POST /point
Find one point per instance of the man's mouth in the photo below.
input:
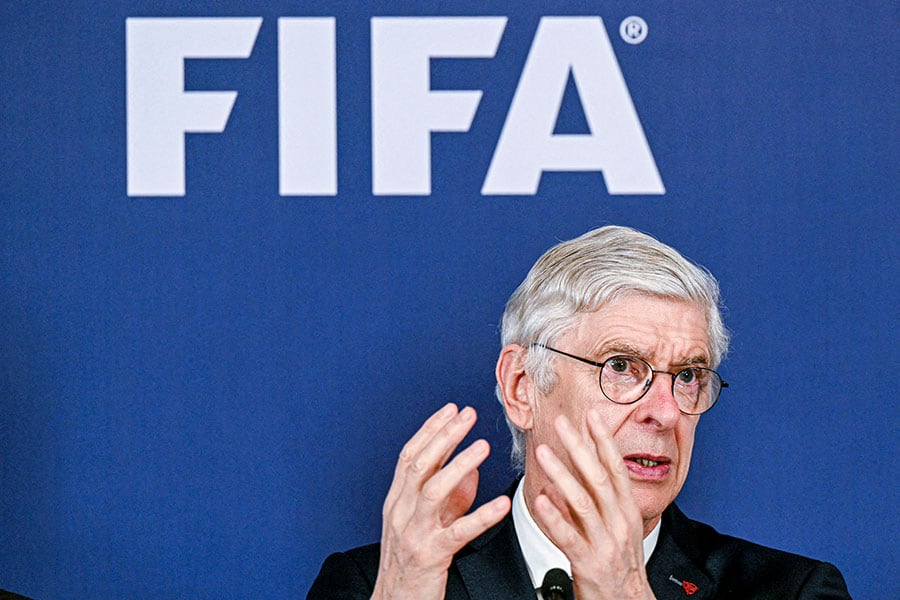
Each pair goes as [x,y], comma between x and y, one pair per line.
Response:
[646,467]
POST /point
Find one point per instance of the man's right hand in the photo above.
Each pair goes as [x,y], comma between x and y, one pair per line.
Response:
[424,515]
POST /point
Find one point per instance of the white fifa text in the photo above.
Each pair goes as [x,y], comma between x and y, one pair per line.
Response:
[405,109]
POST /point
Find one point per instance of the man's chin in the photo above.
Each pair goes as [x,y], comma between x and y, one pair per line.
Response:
[651,506]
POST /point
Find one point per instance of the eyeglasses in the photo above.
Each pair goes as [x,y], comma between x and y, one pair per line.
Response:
[626,379]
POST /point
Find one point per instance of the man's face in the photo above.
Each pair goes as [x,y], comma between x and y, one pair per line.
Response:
[652,435]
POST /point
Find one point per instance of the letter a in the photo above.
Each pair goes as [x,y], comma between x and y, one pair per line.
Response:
[616,145]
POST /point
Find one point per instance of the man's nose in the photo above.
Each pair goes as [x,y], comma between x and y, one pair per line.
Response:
[658,405]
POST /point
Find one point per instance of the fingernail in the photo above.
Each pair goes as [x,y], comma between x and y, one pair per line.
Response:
[482,447]
[500,506]
[468,414]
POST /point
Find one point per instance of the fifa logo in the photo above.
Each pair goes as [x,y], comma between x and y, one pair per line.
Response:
[405,108]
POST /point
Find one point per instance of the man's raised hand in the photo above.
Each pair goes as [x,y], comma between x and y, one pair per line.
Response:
[424,515]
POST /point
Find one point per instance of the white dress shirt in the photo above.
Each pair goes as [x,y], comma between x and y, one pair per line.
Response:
[539,552]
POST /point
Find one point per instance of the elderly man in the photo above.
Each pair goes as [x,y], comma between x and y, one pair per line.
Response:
[609,351]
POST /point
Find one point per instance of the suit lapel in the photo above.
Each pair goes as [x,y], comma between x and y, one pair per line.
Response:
[672,571]
[493,568]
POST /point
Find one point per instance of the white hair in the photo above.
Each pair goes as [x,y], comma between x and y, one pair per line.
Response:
[582,275]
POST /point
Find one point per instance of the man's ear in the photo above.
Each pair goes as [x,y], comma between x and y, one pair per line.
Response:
[516,386]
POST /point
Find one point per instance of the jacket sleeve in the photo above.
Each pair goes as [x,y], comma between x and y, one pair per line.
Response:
[344,576]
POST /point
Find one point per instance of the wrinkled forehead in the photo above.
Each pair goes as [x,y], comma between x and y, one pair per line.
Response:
[646,326]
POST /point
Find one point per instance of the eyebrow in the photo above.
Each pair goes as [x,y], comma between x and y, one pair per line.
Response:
[700,359]
[622,347]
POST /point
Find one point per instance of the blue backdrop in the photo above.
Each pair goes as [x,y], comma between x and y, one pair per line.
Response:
[202,393]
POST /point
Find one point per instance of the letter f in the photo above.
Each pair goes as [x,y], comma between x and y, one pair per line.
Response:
[159,110]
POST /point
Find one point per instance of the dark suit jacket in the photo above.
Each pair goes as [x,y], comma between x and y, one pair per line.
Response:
[690,560]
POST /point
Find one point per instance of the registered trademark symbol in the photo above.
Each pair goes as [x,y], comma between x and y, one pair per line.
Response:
[633,30]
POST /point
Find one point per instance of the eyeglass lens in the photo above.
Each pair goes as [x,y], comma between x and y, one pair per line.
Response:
[625,379]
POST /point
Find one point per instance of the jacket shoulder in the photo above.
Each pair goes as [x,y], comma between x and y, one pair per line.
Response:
[744,569]
[347,575]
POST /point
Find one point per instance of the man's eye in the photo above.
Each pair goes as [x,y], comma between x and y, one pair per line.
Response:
[619,364]
[688,376]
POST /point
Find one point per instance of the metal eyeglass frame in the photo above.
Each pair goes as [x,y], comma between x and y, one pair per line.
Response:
[649,383]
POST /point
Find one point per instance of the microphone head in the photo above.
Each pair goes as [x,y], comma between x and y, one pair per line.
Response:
[557,586]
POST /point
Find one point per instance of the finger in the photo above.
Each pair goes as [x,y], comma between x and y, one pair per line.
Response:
[609,455]
[561,531]
[593,475]
[628,516]
[435,453]
[461,498]
[559,502]
[581,506]
[451,491]
[411,449]
[467,528]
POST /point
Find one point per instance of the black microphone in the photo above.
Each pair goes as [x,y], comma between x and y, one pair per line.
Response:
[557,586]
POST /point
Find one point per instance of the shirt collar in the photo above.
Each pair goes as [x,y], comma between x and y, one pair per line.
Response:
[539,552]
